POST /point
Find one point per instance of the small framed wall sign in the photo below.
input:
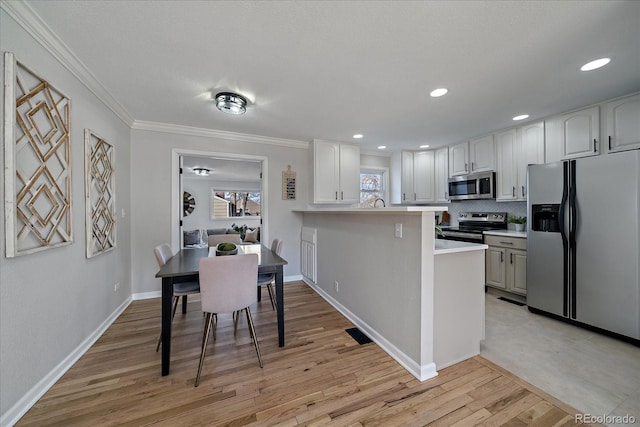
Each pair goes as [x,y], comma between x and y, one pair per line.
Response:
[288,184]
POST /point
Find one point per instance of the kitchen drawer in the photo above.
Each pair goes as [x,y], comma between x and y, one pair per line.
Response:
[506,242]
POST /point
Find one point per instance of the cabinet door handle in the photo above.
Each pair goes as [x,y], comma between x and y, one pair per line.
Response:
[336,195]
[472,166]
[415,197]
[342,195]
[523,191]
[506,243]
[513,192]
[446,194]
[404,196]
[501,256]
[609,142]
[465,167]
[511,258]
[595,141]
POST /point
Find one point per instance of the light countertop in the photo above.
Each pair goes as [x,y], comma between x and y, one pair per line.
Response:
[387,210]
[506,233]
[452,246]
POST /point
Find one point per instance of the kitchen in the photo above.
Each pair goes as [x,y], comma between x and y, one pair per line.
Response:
[492,83]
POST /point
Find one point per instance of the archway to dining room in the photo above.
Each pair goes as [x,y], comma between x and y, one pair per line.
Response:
[216,190]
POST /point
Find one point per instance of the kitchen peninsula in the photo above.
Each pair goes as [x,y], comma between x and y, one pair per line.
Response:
[420,299]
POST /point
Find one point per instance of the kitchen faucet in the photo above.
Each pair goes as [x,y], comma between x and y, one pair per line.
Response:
[379,200]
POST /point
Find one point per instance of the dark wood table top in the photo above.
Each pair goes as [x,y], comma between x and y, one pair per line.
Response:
[186,261]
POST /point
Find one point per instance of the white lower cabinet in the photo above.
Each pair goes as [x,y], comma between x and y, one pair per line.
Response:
[506,263]
[308,254]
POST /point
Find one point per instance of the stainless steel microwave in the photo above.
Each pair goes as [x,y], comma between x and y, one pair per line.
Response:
[476,186]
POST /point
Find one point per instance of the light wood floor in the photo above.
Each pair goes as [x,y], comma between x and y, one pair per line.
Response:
[321,377]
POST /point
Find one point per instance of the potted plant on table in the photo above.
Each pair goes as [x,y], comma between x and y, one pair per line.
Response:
[518,222]
[242,229]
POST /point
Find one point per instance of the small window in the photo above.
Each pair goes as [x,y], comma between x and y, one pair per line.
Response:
[371,188]
[231,204]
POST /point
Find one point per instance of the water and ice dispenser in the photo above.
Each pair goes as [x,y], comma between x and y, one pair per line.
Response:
[546,218]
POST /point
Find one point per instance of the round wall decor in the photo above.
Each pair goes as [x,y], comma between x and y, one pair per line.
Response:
[188,203]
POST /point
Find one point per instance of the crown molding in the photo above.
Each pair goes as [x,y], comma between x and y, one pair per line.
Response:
[219,134]
[28,19]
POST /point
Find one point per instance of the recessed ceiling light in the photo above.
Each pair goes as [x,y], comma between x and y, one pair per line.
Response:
[424,146]
[381,147]
[521,117]
[593,65]
[439,92]
[358,136]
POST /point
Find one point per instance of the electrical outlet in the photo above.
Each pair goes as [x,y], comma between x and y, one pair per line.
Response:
[116,287]
[336,286]
[399,231]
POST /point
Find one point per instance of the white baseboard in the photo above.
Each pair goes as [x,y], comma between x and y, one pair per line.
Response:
[421,372]
[25,403]
[146,295]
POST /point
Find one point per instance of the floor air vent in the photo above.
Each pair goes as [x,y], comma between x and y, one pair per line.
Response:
[512,301]
[358,335]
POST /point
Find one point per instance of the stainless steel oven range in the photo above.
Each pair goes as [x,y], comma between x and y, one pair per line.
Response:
[472,224]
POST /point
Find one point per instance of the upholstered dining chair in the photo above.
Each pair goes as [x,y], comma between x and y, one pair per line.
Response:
[267,279]
[163,253]
[227,285]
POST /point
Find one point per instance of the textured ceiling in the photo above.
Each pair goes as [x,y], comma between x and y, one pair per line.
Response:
[332,69]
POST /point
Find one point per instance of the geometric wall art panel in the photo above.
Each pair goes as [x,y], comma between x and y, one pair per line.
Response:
[37,162]
[99,194]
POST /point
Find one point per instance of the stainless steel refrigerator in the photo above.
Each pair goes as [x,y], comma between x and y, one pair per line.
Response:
[583,242]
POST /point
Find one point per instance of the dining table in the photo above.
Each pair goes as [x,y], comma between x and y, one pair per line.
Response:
[183,266]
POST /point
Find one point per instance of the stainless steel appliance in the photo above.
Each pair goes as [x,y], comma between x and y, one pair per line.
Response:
[583,242]
[472,224]
[476,186]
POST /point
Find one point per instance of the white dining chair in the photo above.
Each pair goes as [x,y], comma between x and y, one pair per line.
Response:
[163,254]
[227,285]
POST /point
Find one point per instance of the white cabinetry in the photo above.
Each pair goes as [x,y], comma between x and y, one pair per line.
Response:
[442,175]
[416,177]
[529,151]
[507,167]
[308,253]
[573,135]
[459,159]
[506,263]
[475,156]
[515,150]
[336,172]
[623,123]
[482,154]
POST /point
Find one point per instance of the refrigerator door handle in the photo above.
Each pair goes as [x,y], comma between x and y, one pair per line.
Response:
[563,234]
[572,234]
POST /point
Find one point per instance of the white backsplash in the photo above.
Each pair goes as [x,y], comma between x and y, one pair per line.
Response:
[512,208]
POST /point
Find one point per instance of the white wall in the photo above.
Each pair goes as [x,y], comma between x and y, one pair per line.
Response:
[52,301]
[151,152]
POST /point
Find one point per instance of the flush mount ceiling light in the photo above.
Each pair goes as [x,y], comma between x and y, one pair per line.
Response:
[439,92]
[231,103]
[521,117]
[424,146]
[594,65]
[381,147]
[358,136]
[201,171]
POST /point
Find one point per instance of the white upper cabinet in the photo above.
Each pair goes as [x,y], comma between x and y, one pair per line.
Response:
[515,150]
[507,172]
[459,159]
[441,175]
[529,151]
[423,176]
[623,124]
[482,154]
[336,172]
[416,173]
[573,135]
